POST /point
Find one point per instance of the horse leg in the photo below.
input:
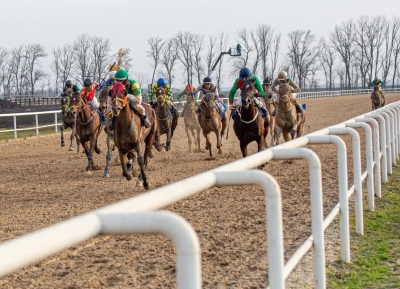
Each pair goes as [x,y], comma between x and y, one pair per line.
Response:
[93,146]
[271,128]
[71,148]
[168,143]
[208,142]
[198,138]
[219,142]
[157,144]
[122,158]
[108,157]
[129,165]
[277,134]
[243,148]
[189,138]
[142,179]
[62,135]
[224,126]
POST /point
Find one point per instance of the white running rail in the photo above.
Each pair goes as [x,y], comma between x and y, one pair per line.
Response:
[382,150]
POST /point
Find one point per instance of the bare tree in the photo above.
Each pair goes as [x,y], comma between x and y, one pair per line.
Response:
[100,49]
[67,60]
[274,52]
[198,45]
[243,36]
[327,58]
[391,34]
[84,59]
[123,59]
[396,52]
[169,57]
[257,50]
[343,40]
[184,45]
[303,54]
[18,69]
[55,64]
[265,37]
[3,64]
[33,54]
[222,46]
[211,54]
[156,45]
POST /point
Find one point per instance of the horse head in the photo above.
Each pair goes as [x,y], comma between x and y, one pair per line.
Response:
[160,96]
[77,104]
[285,96]
[247,91]
[119,99]
[103,97]
[65,102]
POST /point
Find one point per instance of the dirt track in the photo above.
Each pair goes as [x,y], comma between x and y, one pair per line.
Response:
[42,184]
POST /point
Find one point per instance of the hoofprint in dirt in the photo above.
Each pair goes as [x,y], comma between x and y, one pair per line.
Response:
[42,184]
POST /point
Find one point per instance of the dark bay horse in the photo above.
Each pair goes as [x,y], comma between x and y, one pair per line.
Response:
[192,126]
[130,136]
[210,121]
[287,121]
[166,122]
[249,124]
[377,100]
[68,121]
[103,97]
[87,127]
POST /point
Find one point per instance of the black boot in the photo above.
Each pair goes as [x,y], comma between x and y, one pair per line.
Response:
[111,125]
[299,109]
[144,121]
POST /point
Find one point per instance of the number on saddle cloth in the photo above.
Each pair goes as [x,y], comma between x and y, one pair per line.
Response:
[221,108]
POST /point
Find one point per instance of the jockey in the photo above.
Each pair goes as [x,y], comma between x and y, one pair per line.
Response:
[208,87]
[378,82]
[187,91]
[283,78]
[134,96]
[70,87]
[245,74]
[88,93]
[161,83]
[268,92]
[110,81]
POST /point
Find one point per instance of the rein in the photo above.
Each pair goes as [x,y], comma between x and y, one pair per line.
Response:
[208,106]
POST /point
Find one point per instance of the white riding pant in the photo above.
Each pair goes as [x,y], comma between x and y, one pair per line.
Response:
[94,103]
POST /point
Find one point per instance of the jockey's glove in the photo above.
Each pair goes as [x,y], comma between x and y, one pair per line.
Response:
[192,93]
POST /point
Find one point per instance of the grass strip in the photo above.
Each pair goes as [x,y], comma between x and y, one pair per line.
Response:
[375,255]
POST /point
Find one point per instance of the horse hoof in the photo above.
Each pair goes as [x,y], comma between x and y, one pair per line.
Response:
[62,145]
[71,149]
[89,172]
[129,177]
[151,155]
[97,151]
[146,186]
[139,183]
[210,159]
[106,176]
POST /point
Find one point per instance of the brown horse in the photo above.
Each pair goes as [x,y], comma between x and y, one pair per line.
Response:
[87,127]
[210,120]
[130,136]
[192,126]
[103,97]
[376,98]
[288,121]
[68,120]
[166,121]
[249,124]
[270,105]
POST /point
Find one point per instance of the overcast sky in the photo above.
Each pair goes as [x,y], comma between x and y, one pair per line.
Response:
[130,23]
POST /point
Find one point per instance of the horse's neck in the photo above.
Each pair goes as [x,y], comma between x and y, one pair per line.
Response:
[85,114]
[208,111]
[249,112]
[162,110]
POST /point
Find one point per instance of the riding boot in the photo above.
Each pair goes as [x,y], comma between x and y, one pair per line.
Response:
[144,121]
[111,125]
[299,109]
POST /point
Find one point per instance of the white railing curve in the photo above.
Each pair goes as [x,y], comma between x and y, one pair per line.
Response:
[384,146]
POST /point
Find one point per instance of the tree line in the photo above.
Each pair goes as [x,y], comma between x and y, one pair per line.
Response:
[349,56]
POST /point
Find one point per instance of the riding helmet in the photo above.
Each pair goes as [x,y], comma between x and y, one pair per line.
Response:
[87,82]
[282,75]
[68,83]
[244,72]
[121,74]
[189,87]
[161,82]
[267,81]
[207,80]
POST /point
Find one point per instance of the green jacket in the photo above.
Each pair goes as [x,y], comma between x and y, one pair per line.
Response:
[196,95]
[238,84]
[133,87]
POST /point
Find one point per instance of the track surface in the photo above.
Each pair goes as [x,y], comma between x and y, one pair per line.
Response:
[42,184]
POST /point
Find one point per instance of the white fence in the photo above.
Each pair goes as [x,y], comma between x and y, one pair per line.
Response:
[140,214]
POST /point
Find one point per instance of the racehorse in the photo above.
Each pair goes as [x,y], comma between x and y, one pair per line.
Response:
[87,127]
[166,121]
[130,136]
[287,121]
[192,126]
[376,98]
[103,97]
[270,105]
[249,124]
[68,121]
[210,120]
